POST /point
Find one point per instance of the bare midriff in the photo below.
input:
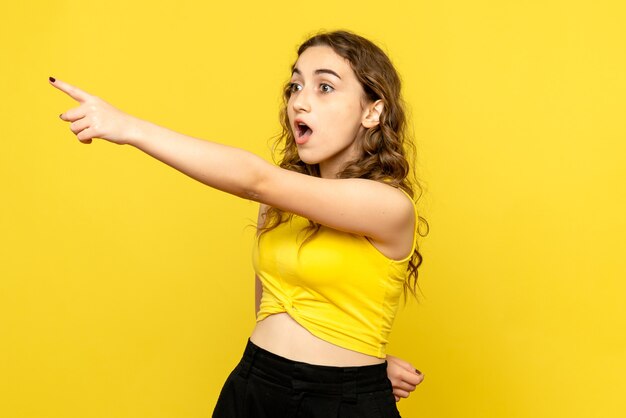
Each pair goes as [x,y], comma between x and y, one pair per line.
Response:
[282,335]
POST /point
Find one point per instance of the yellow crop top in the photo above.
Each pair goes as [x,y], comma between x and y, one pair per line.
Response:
[339,287]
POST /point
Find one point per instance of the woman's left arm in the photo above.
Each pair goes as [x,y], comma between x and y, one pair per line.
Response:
[358,206]
[403,377]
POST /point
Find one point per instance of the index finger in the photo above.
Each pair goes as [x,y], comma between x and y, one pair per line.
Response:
[72,91]
[414,379]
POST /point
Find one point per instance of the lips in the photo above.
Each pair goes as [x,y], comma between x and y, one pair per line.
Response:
[302,131]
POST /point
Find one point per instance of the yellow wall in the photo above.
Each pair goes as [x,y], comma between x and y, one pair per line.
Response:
[126,288]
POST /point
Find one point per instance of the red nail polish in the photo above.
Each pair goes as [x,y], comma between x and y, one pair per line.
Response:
[52,79]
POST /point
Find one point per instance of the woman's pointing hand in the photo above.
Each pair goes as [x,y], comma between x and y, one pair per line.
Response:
[95,118]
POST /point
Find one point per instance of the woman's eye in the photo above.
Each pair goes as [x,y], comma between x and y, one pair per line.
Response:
[326,88]
[294,87]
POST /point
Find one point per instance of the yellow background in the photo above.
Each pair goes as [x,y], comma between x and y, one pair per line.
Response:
[126,288]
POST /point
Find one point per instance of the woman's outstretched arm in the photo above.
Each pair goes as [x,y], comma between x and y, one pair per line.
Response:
[232,170]
[359,206]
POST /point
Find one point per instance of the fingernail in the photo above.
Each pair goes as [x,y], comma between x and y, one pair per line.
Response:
[61,116]
[52,79]
[417,371]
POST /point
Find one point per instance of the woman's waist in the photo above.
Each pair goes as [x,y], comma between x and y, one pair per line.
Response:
[282,335]
[304,377]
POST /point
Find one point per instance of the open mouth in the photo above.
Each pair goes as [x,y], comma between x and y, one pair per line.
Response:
[302,129]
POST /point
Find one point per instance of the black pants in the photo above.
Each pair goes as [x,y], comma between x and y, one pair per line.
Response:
[265,385]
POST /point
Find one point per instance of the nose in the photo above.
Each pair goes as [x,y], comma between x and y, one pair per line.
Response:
[301,100]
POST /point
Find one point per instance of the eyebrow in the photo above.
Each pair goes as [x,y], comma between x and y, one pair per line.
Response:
[319,71]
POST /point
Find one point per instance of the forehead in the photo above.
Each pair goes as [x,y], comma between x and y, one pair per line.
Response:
[316,57]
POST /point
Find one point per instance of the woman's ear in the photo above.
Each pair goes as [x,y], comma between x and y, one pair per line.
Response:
[372,113]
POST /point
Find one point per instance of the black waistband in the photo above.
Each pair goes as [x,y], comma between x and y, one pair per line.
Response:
[299,376]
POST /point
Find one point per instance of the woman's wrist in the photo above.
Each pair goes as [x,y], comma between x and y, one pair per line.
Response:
[139,132]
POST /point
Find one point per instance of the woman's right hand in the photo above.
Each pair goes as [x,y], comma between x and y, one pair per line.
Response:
[95,118]
[403,377]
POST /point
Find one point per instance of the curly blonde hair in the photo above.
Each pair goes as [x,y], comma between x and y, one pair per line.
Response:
[384,147]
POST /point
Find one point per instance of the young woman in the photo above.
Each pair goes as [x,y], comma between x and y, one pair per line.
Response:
[337,232]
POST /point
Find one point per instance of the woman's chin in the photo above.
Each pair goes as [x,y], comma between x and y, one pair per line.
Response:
[307,158]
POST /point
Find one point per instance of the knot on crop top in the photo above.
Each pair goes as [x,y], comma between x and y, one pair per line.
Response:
[337,285]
